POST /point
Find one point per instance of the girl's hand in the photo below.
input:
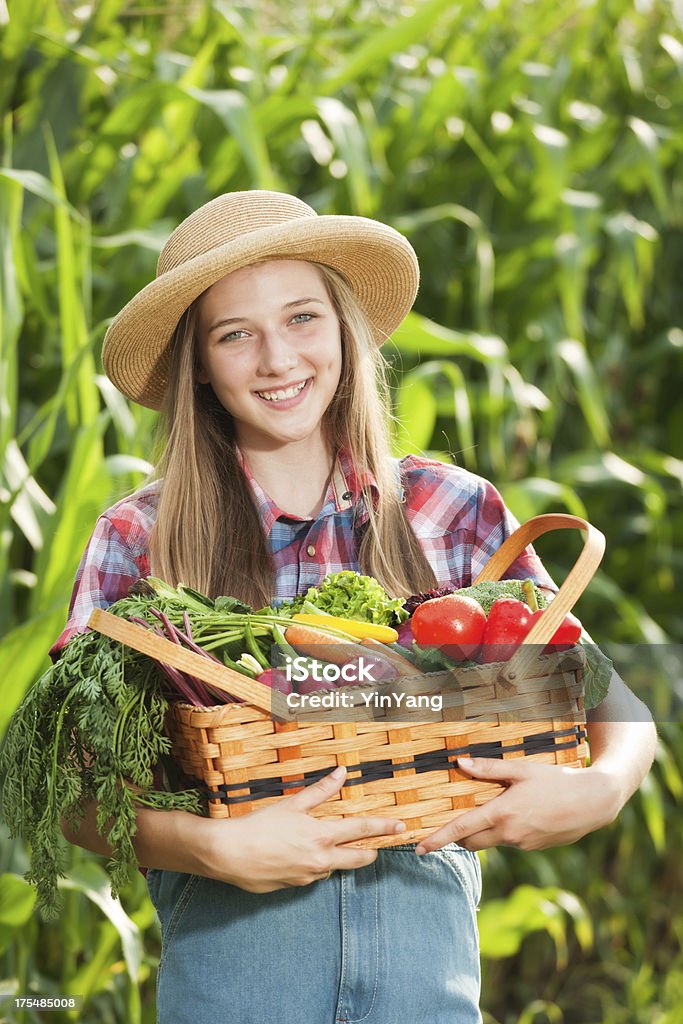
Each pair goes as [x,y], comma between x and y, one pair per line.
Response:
[284,845]
[544,805]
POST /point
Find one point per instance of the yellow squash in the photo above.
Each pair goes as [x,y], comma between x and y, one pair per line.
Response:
[385,634]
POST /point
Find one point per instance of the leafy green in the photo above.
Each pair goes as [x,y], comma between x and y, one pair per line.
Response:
[91,729]
[350,595]
[483,593]
[596,676]
[433,659]
[232,605]
[487,592]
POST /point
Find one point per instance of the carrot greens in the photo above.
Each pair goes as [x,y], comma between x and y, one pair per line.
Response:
[92,728]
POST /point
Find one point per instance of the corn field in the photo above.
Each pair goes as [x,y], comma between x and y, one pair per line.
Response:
[531,151]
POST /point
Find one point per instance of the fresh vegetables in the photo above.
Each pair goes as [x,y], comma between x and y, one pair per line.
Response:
[313,642]
[454,623]
[512,608]
[277,679]
[93,727]
[485,622]
[398,661]
[349,595]
[567,633]
[484,593]
[507,624]
[510,621]
[361,630]
[336,650]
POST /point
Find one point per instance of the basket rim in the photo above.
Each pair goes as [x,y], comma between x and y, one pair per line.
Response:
[575,654]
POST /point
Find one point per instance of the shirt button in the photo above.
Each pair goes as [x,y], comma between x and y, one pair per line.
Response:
[310,550]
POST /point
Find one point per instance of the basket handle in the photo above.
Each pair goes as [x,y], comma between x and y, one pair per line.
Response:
[220,676]
[574,585]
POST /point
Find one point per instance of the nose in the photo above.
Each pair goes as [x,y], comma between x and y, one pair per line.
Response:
[277,356]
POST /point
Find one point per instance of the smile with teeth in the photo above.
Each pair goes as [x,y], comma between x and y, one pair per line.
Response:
[281,396]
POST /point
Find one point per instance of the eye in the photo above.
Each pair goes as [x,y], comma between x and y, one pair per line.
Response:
[233,336]
[303,318]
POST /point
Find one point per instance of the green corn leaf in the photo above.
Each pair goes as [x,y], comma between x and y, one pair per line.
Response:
[38,185]
[653,811]
[416,415]
[588,390]
[11,305]
[504,924]
[236,114]
[380,46]
[424,337]
[73,303]
[24,655]
[89,878]
[17,902]
[537,495]
[460,407]
[351,150]
[85,492]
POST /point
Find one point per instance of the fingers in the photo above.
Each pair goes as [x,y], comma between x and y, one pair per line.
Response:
[480,828]
[331,834]
[482,840]
[319,792]
[494,768]
[349,859]
[459,831]
[353,829]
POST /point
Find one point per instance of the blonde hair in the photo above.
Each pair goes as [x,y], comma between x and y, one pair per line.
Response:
[208,534]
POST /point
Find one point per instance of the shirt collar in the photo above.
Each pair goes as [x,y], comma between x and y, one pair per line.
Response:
[344,491]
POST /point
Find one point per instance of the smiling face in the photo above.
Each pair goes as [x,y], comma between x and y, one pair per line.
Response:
[270,346]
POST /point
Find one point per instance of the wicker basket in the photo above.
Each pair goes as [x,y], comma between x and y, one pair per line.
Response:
[402,765]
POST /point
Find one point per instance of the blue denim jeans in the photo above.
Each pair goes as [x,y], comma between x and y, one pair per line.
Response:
[393,943]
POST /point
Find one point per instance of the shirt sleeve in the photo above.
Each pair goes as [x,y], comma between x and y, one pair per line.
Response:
[107,570]
[495,523]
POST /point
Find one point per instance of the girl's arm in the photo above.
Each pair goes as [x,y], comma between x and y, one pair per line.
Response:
[279,846]
[551,805]
[622,739]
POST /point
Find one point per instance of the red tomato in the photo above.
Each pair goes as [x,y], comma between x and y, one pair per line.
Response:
[454,623]
[567,633]
[508,623]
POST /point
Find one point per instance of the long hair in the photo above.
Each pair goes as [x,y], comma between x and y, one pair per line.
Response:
[208,534]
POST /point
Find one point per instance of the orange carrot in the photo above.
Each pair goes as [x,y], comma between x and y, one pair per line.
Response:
[315,643]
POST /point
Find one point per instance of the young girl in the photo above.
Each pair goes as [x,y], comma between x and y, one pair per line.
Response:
[260,340]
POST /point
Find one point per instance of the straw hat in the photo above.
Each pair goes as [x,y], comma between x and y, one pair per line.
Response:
[239,229]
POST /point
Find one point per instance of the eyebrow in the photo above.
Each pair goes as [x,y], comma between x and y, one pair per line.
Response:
[288,305]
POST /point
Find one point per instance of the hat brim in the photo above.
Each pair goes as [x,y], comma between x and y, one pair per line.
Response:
[377,261]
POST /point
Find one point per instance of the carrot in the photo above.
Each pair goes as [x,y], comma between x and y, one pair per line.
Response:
[315,643]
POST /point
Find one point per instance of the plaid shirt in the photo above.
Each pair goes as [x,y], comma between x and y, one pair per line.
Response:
[459,519]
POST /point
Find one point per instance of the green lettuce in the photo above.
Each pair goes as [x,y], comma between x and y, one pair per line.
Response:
[350,596]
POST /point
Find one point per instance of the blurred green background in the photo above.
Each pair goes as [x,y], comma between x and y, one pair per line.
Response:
[529,151]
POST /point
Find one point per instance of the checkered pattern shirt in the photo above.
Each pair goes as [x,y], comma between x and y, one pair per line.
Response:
[459,519]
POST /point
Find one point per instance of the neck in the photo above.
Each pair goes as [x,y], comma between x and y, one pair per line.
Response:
[295,476]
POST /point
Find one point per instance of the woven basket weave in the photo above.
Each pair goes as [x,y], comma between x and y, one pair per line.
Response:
[399,765]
